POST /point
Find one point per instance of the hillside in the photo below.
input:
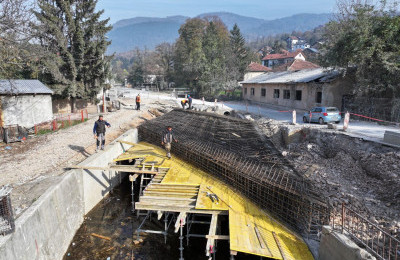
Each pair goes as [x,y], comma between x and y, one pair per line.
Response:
[148,32]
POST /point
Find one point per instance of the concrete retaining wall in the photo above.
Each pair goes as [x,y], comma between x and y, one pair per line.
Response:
[46,229]
[336,246]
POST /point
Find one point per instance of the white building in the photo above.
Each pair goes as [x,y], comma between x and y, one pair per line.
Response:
[24,103]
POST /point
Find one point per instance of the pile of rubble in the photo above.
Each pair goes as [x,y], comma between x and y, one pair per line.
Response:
[364,175]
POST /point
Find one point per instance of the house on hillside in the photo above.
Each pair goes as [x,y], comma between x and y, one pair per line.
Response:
[291,41]
[295,43]
[296,65]
[24,103]
[255,69]
[298,89]
[277,59]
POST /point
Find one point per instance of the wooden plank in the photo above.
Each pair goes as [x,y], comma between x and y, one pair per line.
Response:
[262,242]
[279,246]
[212,232]
[118,168]
[176,185]
[218,237]
[165,208]
[157,198]
[180,221]
[100,236]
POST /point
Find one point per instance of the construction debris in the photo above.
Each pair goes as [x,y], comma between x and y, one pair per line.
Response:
[362,174]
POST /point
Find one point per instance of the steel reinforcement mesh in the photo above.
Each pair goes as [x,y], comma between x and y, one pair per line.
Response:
[234,151]
[7,224]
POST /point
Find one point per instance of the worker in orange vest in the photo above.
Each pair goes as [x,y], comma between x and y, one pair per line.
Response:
[138,102]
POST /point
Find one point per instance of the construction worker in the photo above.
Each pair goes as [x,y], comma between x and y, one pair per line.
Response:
[138,102]
[183,103]
[99,131]
[190,101]
[167,137]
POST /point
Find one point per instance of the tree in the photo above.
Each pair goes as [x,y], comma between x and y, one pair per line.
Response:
[366,38]
[189,56]
[74,37]
[165,56]
[17,53]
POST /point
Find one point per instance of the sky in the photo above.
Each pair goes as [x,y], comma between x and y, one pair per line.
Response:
[265,9]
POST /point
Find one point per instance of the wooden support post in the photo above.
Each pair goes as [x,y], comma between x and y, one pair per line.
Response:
[159,214]
[213,230]
[180,221]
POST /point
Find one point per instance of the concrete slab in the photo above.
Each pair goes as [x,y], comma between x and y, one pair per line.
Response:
[335,246]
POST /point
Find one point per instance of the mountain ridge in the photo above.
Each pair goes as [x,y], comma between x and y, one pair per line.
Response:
[147,32]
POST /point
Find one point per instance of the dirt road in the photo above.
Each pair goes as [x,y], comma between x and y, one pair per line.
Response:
[32,166]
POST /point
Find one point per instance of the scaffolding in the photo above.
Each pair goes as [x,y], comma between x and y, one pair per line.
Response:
[7,224]
[236,152]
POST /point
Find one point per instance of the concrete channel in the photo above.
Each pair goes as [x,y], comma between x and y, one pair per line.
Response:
[47,228]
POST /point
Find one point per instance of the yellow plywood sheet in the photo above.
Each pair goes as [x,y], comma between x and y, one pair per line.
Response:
[251,230]
[205,202]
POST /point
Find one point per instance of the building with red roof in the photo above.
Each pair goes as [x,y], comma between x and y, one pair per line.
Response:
[278,59]
[296,65]
[255,69]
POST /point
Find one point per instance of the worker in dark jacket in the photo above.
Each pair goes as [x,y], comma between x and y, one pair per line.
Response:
[168,137]
[190,100]
[99,131]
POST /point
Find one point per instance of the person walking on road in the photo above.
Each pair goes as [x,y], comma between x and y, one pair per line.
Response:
[190,101]
[99,131]
[168,137]
[138,102]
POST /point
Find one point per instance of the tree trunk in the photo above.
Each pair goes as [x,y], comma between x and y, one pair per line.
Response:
[73,104]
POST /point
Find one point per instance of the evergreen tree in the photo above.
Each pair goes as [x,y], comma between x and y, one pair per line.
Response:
[74,37]
[239,51]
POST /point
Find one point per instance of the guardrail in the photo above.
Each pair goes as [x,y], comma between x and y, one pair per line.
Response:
[376,240]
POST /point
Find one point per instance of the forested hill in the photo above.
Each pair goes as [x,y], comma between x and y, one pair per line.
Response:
[147,32]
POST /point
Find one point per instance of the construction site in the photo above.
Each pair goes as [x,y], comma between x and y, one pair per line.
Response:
[237,187]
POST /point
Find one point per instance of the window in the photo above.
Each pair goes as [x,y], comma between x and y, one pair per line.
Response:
[318,97]
[252,91]
[286,94]
[245,91]
[298,94]
[276,93]
[263,92]
[317,110]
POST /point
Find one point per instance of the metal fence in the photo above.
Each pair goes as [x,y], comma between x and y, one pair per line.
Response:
[373,238]
[234,151]
[387,109]
[7,224]
[61,121]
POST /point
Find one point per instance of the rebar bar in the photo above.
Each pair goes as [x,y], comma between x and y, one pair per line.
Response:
[234,151]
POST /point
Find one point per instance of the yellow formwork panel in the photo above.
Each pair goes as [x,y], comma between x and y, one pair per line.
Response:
[251,230]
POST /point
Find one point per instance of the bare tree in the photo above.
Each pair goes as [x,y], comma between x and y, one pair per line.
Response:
[16,19]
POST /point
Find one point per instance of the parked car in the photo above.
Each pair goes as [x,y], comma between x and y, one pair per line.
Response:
[323,115]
